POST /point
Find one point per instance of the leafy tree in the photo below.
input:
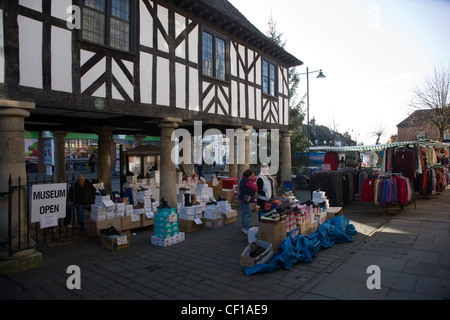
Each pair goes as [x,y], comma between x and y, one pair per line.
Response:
[296,105]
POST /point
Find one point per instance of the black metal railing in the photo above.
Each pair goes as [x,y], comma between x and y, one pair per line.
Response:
[19,239]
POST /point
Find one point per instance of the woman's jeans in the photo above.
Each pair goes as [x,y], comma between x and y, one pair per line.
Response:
[246,211]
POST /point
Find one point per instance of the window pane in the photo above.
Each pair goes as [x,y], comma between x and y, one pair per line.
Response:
[272,79]
[121,9]
[220,59]
[207,54]
[120,35]
[93,26]
[95,4]
[265,77]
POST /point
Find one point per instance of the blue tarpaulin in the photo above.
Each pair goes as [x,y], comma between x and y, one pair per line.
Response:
[301,249]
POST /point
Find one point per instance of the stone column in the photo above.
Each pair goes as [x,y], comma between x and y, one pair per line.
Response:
[103,163]
[168,187]
[12,164]
[286,161]
[60,156]
[241,167]
[232,167]
[138,138]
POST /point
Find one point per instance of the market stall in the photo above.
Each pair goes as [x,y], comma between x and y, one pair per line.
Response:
[384,174]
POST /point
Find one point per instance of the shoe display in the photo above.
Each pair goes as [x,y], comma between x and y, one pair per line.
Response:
[221,198]
[187,200]
[163,204]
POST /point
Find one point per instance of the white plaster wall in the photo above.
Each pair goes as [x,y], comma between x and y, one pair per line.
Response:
[163,15]
[32,4]
[61,52]
[251,57]
[194,100]
[2,50]
[162,82]
[251,102]
[233,66]
[123,80]
[258,105]
[234,99]
[242,100]
[146,77]
[180,84]
[59,9]
[30,52]
[93,74]
[193,45]
[146,25]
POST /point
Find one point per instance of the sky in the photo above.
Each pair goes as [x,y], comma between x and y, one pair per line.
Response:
[374,54]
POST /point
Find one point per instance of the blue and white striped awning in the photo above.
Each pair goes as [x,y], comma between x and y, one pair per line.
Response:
[379,147]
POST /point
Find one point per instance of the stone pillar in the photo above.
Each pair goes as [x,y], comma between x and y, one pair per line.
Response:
[286,161]
[242,167]
[12,164]
[138,138]
[232,167]
[168,177]
[103,163]
[60,156]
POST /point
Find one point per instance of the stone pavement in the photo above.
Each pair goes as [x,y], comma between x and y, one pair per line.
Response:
[410,246]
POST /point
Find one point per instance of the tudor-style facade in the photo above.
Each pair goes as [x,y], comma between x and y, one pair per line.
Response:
[165,62]
[136,67]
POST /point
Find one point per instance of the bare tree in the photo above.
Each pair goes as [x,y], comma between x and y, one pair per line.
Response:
[378,132]
[434,96]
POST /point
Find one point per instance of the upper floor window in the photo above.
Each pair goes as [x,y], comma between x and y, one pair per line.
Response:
[107,22]
[269,77]
[214,52]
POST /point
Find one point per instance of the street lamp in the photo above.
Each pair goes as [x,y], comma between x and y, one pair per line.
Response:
[319,76]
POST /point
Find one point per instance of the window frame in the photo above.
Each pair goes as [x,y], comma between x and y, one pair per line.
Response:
[275,79]
[107,31]
[226,59]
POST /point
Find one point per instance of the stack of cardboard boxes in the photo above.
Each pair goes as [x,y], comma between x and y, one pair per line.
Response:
[166,228]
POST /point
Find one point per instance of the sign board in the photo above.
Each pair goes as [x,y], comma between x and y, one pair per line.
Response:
[48,200]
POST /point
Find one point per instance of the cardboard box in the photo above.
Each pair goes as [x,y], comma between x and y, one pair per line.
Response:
[321,217]
[247,261]
[274,233]
[94,226]
[229,217]
[226,193]
[145,221]
[305,227]
[130,222]
[188,226]
[334,212]
[169,241]
[215,185]
[114,243]
[212,224]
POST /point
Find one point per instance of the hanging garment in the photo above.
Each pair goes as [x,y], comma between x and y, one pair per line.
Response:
[332,159]
[403,163]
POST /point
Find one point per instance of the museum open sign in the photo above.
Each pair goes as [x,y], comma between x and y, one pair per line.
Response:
[48,203]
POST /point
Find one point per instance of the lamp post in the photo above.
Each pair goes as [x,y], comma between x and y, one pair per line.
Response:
[320,76]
